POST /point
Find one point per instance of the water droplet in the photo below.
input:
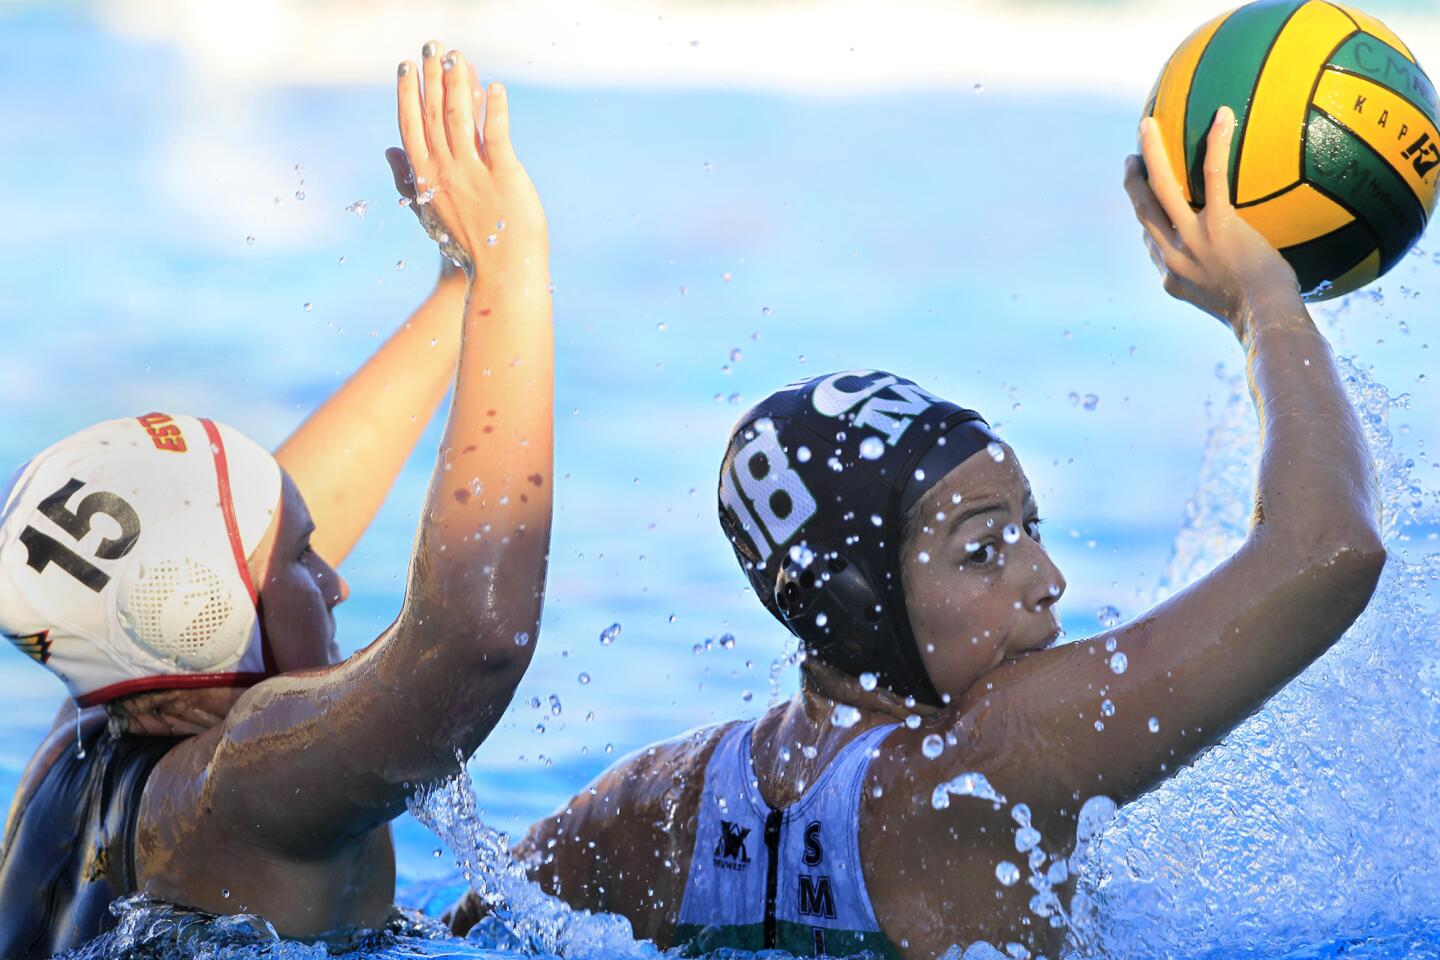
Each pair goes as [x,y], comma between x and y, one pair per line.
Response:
[1107,708]
[735,355]
[1090,402]
[491,239]
[612,633]
[555,710]
[435,853]
[225,892]
[868,681]
[1153,724]
[803,454]
[250,241]
[522,639]
[1118,662]
[912,722]
[872,448]
[1007,873]
[979,88]
[584,678]
[1094,814]
[309,306]
[821,619]
[920,474]
[932,746]
[359,208]
[965,785]
[299,194]
[726,277]
[844,715]
[923,557]
[727,641]
[764,311]
[996,451]
[1108,616]
[1026,839]
[746,696]
[1011,533]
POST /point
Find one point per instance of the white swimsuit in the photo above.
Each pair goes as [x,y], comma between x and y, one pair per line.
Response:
[789,879]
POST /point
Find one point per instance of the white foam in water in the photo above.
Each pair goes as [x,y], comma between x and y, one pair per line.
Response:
[534,920]
[1318,817]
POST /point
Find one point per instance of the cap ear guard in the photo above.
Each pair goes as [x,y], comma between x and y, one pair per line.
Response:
[830,594]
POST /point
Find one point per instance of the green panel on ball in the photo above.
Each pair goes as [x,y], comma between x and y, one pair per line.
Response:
[1328,258]
[1377,61]
[1350,173]
[1226,76]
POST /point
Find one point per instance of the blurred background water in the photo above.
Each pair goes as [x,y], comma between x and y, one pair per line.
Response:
[740,194]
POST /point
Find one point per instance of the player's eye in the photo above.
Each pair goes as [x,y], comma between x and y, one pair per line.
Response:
[981,554]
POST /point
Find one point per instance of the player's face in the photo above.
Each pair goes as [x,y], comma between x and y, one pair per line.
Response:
[298,589]
[979,587]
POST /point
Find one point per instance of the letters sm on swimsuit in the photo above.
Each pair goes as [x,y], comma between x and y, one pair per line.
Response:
[762,878]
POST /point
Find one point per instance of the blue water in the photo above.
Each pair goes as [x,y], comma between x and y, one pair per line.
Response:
[977,243]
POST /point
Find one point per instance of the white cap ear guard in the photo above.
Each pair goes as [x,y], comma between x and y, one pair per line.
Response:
[123,557]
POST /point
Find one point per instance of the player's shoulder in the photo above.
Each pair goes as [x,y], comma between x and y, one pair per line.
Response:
[654,773]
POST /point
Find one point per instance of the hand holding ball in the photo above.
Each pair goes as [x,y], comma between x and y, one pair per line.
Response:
[1336,152]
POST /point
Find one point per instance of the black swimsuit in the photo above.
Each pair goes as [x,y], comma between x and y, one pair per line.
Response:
[70,853]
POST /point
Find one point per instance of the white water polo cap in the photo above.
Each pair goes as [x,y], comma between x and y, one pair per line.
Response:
[123,556]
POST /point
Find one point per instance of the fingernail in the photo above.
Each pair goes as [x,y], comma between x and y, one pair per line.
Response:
[404,69]
[430,49]
[448,63]
[495,89]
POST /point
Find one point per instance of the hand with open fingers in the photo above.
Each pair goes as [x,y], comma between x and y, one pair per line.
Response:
[1209,257]
[458,168]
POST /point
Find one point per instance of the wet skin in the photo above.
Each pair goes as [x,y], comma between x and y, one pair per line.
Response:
[1020,712]
[279,801]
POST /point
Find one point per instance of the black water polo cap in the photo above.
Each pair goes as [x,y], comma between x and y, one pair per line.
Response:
[814,490]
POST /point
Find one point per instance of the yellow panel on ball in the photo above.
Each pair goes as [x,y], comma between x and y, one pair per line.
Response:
[1377,29]
[1296,216]
[1271,153]
[1172,91]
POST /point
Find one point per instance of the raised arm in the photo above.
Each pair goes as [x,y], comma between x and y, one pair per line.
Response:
[345,746]
[1207,658]
[346,455]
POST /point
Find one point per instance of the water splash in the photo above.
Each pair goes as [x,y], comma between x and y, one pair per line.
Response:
[1307,821]
[530,919]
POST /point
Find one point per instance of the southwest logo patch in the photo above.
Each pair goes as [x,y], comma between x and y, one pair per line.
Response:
[36,646]
[730,852]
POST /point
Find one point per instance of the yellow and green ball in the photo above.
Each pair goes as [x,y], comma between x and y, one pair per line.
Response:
[1336,153]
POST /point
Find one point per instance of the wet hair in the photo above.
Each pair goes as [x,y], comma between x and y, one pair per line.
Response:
[815,490]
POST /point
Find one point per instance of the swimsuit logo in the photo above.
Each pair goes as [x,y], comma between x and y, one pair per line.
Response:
[730,852]
[814,852]
[816,897]
[36,646]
